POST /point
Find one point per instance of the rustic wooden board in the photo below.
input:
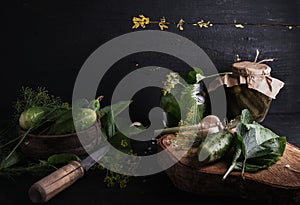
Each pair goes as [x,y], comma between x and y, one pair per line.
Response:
[277,181]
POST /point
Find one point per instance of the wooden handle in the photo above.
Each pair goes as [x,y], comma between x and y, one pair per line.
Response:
[49,186]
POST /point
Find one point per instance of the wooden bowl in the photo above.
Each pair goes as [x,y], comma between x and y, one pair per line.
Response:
[43,146]
[275,185]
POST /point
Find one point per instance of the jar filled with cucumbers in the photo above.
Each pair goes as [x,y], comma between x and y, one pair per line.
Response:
[250,86]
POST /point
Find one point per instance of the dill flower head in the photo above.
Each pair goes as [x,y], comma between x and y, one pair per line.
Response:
[172,80]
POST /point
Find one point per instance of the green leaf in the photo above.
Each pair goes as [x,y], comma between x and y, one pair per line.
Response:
[199,74]
[64,124]
[190,78]
[246,117]
[240,144]
[249,167]
[63,158]
[237,153]
[198,71]
[110,125]
[185,105]
[260,141]
[262,161]
[117,108]
[201,110]
[260,147]
[41,169]
[107,115]
[13,159]
[171,106]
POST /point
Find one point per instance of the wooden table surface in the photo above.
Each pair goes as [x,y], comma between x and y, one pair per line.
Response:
[154,189]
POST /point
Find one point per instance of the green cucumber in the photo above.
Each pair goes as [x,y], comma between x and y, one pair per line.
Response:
[31,116]
[84,118]
[214,146]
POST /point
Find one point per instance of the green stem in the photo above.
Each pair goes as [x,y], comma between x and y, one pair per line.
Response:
[23,137]
[229,170]
[218,74]
[175,129]
[243,170]
[236,155]
[181,84]
[21,140]
[35,126]
[11,141]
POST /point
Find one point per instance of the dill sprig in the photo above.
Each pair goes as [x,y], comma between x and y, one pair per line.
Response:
[28,97]
[13,162]
[33,98]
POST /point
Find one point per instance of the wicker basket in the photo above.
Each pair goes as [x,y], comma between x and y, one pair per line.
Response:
[275,185]
[43,146]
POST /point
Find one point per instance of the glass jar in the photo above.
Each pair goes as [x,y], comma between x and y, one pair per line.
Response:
[241,97]
[251,87]
[200,94]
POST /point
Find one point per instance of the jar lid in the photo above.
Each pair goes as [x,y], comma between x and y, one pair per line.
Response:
[247,68]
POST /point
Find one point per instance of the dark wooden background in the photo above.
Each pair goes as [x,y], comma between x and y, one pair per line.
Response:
[47,42]
[59,36]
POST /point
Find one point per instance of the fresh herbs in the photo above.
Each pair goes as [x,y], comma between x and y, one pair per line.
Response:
[39,112]
[185,103]
[40,168]
[28,98]
[181,98]
[182,106]
[107,115]
[36,98]
[256,147]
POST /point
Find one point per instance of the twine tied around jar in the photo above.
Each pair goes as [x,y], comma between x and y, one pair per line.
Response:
[255,75]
